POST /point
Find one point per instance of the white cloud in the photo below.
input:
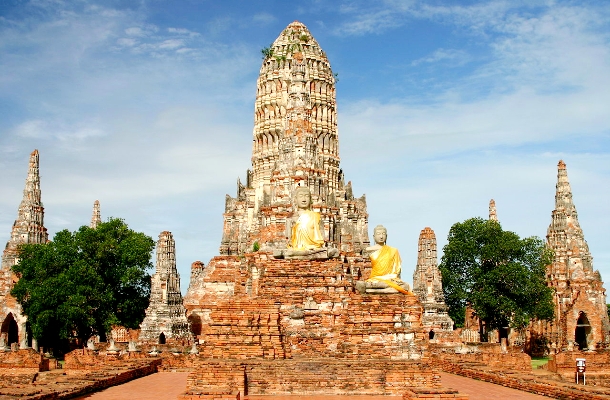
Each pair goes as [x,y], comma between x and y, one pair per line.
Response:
[31,129]
[142,31]
[263,18]
[126,42]
[458,57]
[171,44]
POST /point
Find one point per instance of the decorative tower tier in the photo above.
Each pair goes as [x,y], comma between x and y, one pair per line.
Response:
[28,228]
[165,316]
[96,216]
[295,143]
[29,225]
[428,285]
[493,215]
[581,319]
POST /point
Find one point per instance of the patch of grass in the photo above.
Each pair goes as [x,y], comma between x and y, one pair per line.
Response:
[538,361]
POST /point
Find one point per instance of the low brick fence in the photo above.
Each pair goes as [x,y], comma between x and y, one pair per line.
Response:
[84,359]
[230,379]
[565,362]
[521,380]
[25,358]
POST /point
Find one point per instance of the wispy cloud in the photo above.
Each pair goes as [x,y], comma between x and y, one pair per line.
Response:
[263,18]
[456,57]
[43,129]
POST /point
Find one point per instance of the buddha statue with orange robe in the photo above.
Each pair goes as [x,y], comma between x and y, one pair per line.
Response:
[386,265]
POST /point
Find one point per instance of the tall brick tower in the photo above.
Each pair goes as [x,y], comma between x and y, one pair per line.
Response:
[295,143]
[428,285]
[493,215]
[96,216]
[291,321]
[581,319]
[165,316]
[27,228]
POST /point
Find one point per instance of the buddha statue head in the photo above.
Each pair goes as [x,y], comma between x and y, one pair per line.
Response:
[380,234]
[302,197]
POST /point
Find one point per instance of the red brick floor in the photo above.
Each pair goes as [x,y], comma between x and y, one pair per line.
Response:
[168,385]
[159,386]
[479,390]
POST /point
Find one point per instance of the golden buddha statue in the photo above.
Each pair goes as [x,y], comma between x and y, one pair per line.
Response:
[386,265]
[305,233]
[306,239]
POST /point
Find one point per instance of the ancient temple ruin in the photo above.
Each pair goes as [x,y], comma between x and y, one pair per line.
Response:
[27,228]
[581,320]
[96,216]
[295,143]
[279,326]
[428,286]
[493,215]
[165,319]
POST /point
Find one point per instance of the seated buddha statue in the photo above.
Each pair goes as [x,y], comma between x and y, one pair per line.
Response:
[386,264]
[306,239]
[305,233]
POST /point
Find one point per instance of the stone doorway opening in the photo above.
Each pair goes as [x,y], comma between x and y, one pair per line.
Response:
[582,332]
[162,338]
[503,333]
[10,328]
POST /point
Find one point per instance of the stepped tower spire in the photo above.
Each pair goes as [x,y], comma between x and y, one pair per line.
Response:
[493,216]
[565,237]
[295,143]
[28,228]
[428,285]
[96,217]
[581,317]
[165,316]
[29,225]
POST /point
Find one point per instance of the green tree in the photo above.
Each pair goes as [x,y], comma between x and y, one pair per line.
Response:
[84,282]
[500,275]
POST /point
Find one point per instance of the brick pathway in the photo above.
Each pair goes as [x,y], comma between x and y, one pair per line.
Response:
[479,390]
[159,386]
[168,385]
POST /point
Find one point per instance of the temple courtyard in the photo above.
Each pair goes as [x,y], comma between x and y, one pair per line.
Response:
[167,386]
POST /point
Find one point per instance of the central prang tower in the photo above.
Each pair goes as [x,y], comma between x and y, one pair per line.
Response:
[295,143]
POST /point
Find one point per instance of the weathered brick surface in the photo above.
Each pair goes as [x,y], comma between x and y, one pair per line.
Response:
[60,384]
[488,354]
[295,308]
[26,358]
[310,377]
[262,335]
[566,361]
[169,358]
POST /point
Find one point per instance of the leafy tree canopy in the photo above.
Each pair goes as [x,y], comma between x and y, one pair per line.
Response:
[499,274]
[83,282]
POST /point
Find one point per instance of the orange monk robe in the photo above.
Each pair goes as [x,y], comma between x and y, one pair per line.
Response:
[386,265]
[306,233]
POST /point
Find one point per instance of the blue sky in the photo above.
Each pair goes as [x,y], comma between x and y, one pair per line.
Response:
[148,107]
